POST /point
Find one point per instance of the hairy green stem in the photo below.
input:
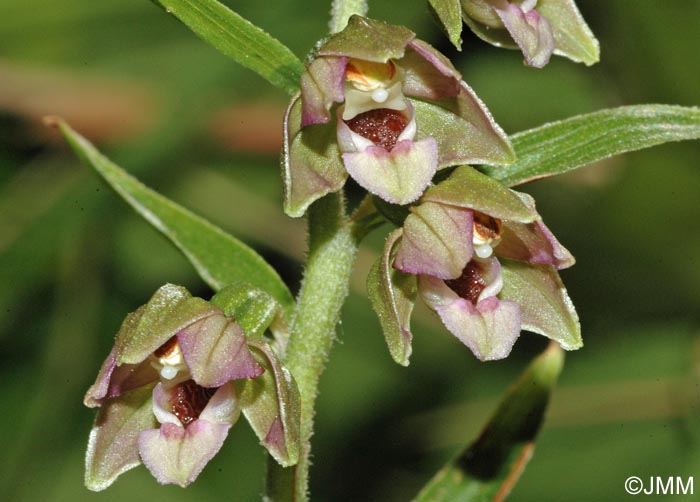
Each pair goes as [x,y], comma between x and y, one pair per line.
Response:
[332,249]
[342,10]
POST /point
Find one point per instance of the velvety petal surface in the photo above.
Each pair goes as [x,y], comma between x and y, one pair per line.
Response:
[368,39]
[113,443]
[311,162]
[272,405]
[216,351]
[531,31]
[176,455]
[169,310]
[392,294]
[532,242]
[399,176]
[468,188]
[437,241]
[545,305]
[321,85]
[489,329]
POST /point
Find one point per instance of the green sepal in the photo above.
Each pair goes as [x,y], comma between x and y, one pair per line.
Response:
[392,295]
[113,443]
[253,309]
[272,405]
[170,310]
[468,188]
[545,306]
[311,163]
[369,40]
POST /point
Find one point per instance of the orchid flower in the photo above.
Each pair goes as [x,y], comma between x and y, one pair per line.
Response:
[167,392]
[387,109]
[458,249]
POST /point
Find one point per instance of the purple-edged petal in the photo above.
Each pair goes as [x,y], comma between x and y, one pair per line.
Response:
[113,444]
[114,380]
[176,455]
[216,351]
[572,36]
[532,32]
[311,162]
[393,295]
[489,329]
[532,242]
[321,85]
[369,40]
[399,176]
[428,74]
[437,241]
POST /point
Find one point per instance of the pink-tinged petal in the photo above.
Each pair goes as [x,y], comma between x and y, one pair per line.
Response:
[177,455]
[399,176]
[223,407]
[321,85]
[532,242]
[437,241]
[162,405]
[369,40]
[489,329]
[532,32]
[311,162]
[428,74]
[112,381]
[572,36]
[216,351]
[113,444]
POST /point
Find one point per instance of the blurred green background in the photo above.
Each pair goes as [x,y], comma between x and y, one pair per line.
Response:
[189,122]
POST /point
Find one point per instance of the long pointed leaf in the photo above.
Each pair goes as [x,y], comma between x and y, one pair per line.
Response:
[562,146]
[218,257]
[488,469]
[239,39]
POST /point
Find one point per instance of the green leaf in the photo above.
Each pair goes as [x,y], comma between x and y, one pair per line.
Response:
[393,294]
[219,258]
[562,146]
[449,13]
[113,444]
[272,406]
[488,469]
[239,39]
[545,306]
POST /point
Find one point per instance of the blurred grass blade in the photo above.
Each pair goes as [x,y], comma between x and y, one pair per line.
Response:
[490,467]
[239,39]
[219,258]
[575,142]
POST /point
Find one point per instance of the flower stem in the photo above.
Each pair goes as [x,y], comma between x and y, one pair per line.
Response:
[342,10]
[332,249]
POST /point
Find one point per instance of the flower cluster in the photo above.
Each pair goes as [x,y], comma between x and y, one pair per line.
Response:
[175,382]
